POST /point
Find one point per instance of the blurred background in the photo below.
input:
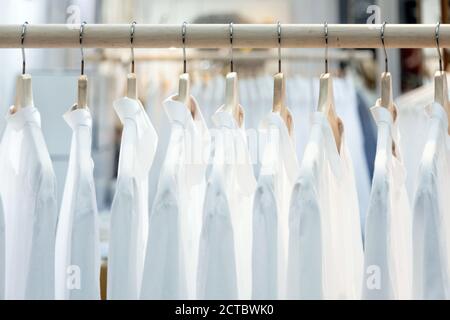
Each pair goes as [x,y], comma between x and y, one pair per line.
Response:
[55,71]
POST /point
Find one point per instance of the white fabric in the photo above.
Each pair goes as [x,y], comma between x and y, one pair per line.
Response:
[388,236]
[175,218]
[279,168]
[2,250]
[412,123]
[431,219]
[77,257]
[325,257]
[29,202]
[224,268]
[129,210]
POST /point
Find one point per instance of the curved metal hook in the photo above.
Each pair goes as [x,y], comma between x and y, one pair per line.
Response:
[132,29]
[326,46]
[183,39]
[81,46]
[279,46]
[436,35]
[231,47]
[22,40]
[386,66]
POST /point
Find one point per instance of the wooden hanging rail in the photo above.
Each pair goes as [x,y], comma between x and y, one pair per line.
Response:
[217,36]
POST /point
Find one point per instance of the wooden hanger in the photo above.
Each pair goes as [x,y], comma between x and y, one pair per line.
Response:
[441,92]
[440,80]
[326,98]
[24,92]
[82,92]
[326,106]
[279,98]
[231,88]
[131,78]
[131,86]
[82,80]
[184,92]
[184,83]
[387,100]
[231,98]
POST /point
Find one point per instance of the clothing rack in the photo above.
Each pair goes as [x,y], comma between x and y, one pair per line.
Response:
[218,36]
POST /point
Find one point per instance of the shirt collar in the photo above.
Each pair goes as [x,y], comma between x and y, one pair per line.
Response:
[127,108]
[22,116]
[78,117]
[222,118]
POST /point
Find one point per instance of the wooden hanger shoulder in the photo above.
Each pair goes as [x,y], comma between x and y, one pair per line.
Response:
[131,86]
[441,92]
[326,106]
[231,97]
[82,91]
[24,92]
[278,92]
[184,92]
[279,98]
[387,98]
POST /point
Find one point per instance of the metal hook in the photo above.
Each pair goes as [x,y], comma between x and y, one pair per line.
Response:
[326,46]
[386,66]
[132,29]
[279,46]
[22,40]
[231,47]
[436,34]
[81,46]
[183,39]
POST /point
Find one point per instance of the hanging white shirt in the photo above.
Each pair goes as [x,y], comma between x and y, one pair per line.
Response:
[129,210]
[2,250]
[77,261]
[224,268]
[175,218]
[388,236]
[279,168]
[29,202]
[431,219]
[325,257]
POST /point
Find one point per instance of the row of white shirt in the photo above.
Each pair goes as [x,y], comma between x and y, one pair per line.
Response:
[213,231]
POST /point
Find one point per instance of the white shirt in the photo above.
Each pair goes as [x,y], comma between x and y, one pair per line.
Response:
[279,167]
[2,250]
[77,260]
[29,202]
[175,218]
[431,220]
[224,268]
[325,248]
[388,237]
[129,210]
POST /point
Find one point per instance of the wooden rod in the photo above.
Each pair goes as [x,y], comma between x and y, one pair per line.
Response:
[217,36]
